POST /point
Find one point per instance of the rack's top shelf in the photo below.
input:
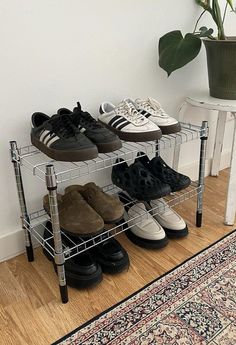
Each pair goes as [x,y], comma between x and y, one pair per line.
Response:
[35,161]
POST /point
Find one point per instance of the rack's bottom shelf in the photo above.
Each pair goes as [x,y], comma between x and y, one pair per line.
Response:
[37,223]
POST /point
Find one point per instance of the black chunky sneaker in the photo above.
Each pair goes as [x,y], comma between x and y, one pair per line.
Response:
[138,181]
[164,173]
[82,271]
[59,139]
[103,138]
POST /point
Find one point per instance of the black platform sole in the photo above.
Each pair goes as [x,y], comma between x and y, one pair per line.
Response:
[66,155]
[148,244]
[177,233]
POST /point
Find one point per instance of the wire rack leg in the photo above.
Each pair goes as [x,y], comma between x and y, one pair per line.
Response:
[21,195]
[201,179]
[59,255]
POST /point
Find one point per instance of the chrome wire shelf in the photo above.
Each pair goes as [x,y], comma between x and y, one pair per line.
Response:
[35,161]
[36,223]
[53,172]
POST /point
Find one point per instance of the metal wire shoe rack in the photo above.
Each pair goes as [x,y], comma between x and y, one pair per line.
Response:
[53,173]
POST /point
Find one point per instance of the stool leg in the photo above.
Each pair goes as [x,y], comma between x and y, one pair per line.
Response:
[219,139]
[231,196]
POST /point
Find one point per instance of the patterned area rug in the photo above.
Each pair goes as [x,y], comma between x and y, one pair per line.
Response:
[194,304]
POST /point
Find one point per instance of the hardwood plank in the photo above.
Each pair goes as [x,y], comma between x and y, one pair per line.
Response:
[10,291]
[35,287]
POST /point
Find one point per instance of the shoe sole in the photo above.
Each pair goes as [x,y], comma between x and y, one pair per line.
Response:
[76,280]
[135,137]
[65,155]
[109,147]
[170,129]
[176,233]
[144,243]
[177,189]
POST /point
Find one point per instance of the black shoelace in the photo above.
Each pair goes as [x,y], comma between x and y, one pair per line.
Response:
[63,125]
[84,119]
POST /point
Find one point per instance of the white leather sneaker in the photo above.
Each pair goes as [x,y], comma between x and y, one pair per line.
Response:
[144,230]
[127,122]
[171,221]
[152,110]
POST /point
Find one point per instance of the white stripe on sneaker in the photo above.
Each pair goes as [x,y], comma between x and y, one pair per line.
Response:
[43,135]
[52,140]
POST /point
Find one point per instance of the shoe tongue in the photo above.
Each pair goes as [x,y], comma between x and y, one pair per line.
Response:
[78,107]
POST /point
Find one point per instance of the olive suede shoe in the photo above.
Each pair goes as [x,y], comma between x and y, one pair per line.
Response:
[76,216]
[107,206]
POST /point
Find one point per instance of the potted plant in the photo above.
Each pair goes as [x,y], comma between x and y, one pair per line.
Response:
[176,50]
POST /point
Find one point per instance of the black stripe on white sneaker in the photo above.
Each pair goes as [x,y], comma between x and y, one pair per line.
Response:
[118,122]
[144,113]
[114,119]
[123,124]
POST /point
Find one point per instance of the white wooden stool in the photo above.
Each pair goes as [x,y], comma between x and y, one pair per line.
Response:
[203,100]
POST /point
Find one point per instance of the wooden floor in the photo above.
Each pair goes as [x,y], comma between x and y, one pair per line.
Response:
[30,308]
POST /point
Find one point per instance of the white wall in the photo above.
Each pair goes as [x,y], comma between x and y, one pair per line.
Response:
[55,52]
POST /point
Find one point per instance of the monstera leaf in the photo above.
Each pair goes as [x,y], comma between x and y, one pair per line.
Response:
[175,51]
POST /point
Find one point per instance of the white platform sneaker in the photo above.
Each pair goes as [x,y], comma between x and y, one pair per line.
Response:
[144,230]
[128,123]
[152,110]
[171,221]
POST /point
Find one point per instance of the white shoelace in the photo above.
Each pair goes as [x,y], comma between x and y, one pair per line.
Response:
[151,104]
[130,112]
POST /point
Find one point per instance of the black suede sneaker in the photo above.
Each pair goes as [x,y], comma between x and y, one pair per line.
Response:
[59,139]
[164,173]
[103,138]
[82,271]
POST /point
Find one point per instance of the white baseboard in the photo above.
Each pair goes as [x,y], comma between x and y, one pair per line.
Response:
[12,244]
